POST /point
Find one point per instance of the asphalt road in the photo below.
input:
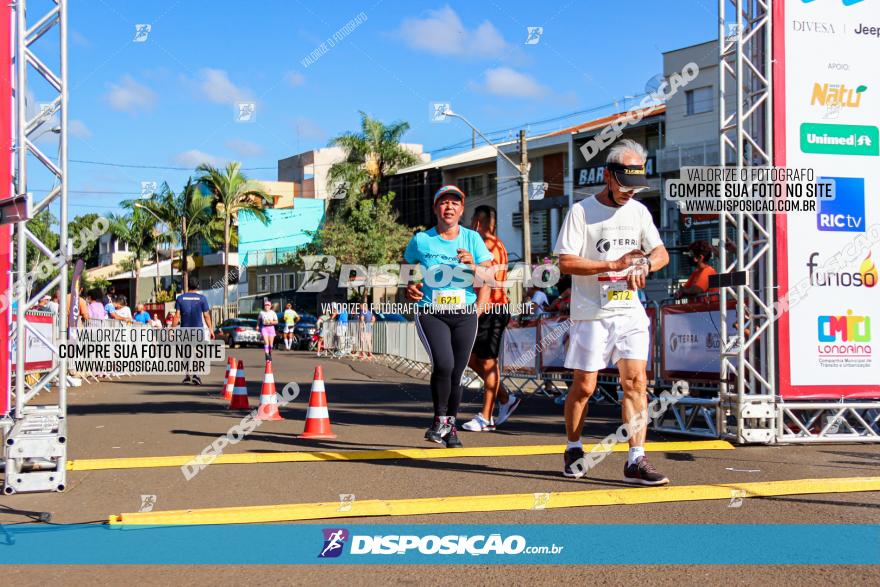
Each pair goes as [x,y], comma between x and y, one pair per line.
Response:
[372,407]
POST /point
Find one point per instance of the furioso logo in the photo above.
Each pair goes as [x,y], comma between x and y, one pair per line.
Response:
[334,541]
[866,276]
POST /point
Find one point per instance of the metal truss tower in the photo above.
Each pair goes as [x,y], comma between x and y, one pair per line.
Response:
[35,446]
[748,369]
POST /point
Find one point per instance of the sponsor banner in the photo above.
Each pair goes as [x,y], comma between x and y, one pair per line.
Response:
[37,355]
[827,107]
[554,334]
[6,187]
[691,340]
[518,350]
[381,544]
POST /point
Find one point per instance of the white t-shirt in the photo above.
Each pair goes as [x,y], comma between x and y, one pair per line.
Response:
[268,318]
[598,232]
[539,299]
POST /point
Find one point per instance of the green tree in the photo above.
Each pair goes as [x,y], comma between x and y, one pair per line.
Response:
[83,224]
[368,235]
[136,229]
[188,214]
[39,267]
[233,194]
[371,155]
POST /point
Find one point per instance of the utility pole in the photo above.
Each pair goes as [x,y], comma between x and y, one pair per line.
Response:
[524,189]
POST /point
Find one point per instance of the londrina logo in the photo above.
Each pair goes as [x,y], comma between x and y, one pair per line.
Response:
[846,212]
[837,94]
[334,541]
[840,139]
[844,332]
[866,276]
[847,328]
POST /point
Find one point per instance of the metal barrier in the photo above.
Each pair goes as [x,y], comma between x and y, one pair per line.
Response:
[700,414]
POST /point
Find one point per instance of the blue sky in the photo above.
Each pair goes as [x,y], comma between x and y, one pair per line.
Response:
[170,100]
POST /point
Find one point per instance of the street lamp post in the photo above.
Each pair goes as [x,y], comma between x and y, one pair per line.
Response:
[523,167]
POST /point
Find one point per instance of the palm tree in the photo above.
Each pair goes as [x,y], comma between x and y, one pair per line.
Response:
[371,155]
[188,214]
[233,193]
[136,230]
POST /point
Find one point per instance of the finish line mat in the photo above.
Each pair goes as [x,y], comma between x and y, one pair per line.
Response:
[376,455]
[493,503]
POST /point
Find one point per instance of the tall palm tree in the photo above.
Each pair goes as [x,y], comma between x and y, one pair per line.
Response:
[233,193]
[371,155]
[136,230]
[188,214]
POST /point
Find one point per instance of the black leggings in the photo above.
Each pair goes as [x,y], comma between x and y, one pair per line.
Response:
[448,337]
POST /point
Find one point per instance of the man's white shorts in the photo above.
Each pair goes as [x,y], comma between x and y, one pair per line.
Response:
[597,344]
[341,329]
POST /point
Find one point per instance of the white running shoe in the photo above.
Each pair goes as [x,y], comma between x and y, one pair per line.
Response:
[479,424]
[506,410]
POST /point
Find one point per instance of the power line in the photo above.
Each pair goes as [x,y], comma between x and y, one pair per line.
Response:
[166,167]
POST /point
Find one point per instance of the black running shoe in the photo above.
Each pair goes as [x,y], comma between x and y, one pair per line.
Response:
[570,458]
[643,473]
[436,432]
[196,380]
[186,379]
[451,439]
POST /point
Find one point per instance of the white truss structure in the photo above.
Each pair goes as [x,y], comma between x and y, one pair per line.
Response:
[35,446]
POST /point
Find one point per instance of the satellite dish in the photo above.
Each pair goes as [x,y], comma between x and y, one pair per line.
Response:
[655,83]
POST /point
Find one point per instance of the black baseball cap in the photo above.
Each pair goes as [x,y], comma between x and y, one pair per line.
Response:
[631,176]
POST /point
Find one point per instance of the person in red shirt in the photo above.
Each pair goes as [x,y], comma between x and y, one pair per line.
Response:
[490,332]
[698,283]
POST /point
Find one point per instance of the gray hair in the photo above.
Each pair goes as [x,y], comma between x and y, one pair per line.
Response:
[624,146]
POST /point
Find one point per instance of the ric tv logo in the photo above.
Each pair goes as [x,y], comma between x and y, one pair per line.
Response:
[846,212]
[843,335]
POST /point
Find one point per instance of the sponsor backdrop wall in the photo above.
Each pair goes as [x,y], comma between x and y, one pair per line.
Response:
[826,116]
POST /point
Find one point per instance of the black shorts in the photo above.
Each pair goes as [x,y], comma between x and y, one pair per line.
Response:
[490,331]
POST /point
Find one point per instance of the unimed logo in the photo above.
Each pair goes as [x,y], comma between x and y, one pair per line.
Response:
[334,540]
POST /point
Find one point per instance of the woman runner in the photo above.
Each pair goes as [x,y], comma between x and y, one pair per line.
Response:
[448,307]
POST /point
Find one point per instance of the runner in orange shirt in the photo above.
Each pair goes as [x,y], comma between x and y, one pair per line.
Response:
[490,332]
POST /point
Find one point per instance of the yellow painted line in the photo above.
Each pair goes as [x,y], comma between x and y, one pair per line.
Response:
[494,503]
[376,455]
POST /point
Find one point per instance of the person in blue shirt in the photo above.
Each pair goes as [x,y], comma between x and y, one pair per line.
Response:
[447,305]
[192,311]
[141,315]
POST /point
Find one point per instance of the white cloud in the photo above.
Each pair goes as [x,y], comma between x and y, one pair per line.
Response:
[244,148]
[442,33]
[130,96]
[78,129]
[216,86]
[504,81]
[295,78]
[193,158]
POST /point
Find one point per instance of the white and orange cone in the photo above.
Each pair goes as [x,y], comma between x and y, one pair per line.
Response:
[239,392]
[230,379]
[318,417]
[268,409]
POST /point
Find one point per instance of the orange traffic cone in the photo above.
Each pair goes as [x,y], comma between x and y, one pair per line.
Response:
[239,392]
[230,379]
[268,409]
[318,417]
